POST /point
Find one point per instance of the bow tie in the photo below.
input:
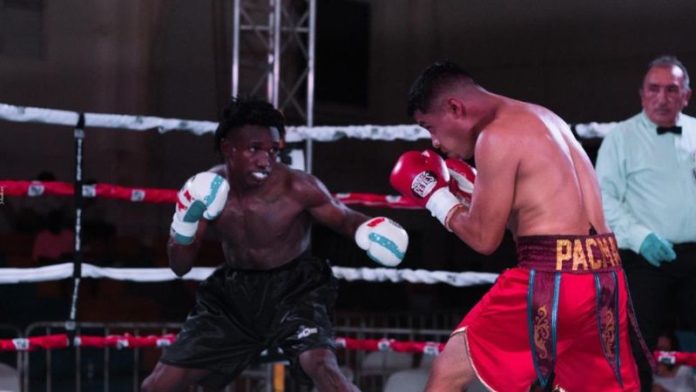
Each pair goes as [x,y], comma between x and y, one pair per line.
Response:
[675,130]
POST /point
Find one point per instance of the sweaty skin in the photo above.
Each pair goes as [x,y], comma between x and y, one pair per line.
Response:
[265,223]
[269,210]
[533,176]
[541,317]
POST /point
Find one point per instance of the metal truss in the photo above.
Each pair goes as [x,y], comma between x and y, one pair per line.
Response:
[273,50]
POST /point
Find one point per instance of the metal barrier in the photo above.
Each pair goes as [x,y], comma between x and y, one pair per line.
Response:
[371,370]
[109,369]
[87,368]
[10,361]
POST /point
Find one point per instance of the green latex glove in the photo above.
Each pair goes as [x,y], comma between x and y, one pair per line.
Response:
[657,250]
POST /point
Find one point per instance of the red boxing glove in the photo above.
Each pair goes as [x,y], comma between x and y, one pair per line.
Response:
[423,177]
[462,179]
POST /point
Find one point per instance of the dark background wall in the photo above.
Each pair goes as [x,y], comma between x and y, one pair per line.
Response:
[584,60]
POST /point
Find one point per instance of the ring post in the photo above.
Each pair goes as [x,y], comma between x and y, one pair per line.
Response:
[70,324]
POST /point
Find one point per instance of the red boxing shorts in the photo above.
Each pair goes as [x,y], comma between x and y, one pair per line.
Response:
[563,312]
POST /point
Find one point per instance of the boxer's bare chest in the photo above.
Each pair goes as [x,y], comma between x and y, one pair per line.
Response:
[263,219]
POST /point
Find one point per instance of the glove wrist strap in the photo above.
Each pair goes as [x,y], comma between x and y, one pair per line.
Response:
[183,232]
[440,204]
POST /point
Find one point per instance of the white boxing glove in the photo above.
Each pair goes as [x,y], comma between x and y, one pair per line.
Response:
[202,196]
[462,178]
[384,240]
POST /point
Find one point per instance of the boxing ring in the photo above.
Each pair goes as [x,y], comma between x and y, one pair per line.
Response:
[135,343]
[359,336]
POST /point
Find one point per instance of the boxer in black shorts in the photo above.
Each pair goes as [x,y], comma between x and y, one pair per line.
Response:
[289,307]
[270,293]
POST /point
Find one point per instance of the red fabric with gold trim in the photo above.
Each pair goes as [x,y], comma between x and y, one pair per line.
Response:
[497,332]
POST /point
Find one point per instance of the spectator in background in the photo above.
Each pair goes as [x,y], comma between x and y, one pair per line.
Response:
[55,242]
[647,172]
[32,211]
[672,378]
[7,213]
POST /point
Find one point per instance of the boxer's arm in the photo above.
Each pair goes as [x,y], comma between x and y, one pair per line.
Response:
[384,240]
[482,226]
[328,210]
[182,257]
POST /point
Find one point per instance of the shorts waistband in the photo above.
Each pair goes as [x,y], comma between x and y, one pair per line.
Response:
[294,263]
[569,253]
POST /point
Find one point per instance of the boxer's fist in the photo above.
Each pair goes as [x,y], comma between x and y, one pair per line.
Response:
[423,177]
[418,175]
[202,196]
[462,177]
[384,240]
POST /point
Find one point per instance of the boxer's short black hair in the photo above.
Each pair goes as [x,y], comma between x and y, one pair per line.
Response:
[431,82]
[241,111]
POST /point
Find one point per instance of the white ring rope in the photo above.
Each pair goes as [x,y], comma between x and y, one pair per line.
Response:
[458,279]
[294,134]
[162,125]
[65,270]
[594,129]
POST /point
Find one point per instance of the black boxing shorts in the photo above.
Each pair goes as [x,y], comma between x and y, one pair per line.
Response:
[240,313]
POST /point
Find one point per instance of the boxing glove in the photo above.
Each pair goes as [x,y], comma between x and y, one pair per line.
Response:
[462,177]
[384,240]
[202,196]
[424,178]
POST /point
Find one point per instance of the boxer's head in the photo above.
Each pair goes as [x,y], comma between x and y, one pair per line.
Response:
[249,138]
[437,101]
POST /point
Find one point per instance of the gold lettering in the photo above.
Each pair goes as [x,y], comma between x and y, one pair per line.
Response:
[606,252]
[614,251]
[589,243]
[578,256]
[563,253]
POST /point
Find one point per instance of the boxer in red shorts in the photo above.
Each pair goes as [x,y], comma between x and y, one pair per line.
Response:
[562,315]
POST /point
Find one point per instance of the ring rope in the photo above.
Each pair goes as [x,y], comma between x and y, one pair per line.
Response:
[65,270]
[293,134]
[159,195]
[59,341]
[125,341]
[154,195]
[162,125]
